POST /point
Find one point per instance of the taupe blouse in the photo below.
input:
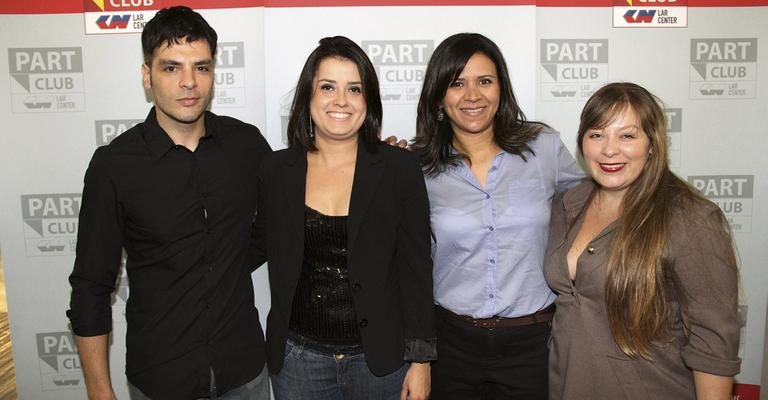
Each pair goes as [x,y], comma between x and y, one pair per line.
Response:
[586,363]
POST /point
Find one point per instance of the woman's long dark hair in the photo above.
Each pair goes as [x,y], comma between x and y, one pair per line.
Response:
[300,121]
[434,138]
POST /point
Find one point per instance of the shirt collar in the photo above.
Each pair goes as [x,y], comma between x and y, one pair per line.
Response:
[462,168]
[160,143]
[575,199]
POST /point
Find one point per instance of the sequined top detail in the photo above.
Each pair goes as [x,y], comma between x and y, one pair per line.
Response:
[323,315]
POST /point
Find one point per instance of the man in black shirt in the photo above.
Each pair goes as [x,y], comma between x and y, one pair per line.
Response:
[178,194]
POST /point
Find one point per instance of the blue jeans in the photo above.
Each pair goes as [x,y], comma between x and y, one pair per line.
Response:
[308,374]
[257,389]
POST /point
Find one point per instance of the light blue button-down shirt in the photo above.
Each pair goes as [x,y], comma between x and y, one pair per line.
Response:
[489,242]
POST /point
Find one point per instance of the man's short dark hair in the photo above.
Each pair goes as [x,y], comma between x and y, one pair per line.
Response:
[172,26]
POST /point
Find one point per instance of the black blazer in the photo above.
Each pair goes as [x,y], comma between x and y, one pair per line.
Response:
[389,257]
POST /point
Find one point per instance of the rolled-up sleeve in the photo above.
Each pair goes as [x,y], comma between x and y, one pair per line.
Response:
[707,280]
[98,252]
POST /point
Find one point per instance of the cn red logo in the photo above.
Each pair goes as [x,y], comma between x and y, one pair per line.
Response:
[643,16]
[117,22]
[629,2]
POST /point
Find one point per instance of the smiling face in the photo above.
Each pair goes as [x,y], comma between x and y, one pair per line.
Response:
[180,79]
[472,100]
[338,105]
[616,155]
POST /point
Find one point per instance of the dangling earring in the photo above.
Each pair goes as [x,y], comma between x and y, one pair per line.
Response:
[440,114]
[311,130]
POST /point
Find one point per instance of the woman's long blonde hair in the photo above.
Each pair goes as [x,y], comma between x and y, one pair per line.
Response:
[637,289]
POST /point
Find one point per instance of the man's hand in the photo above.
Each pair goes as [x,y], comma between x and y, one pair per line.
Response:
[392,141]
[417,383]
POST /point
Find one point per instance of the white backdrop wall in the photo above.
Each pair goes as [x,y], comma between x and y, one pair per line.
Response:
[67,92]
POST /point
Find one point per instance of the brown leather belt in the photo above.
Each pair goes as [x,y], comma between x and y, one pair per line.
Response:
[500,322]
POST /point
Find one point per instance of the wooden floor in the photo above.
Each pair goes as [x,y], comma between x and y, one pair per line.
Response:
[7,374]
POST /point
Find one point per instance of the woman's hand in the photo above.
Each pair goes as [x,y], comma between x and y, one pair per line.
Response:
[417,383]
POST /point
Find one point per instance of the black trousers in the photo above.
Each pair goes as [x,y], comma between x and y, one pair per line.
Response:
[490,364]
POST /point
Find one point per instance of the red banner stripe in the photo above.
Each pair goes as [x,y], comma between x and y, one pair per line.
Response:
[746,391]
[78,6]
[637,3]
[385,3]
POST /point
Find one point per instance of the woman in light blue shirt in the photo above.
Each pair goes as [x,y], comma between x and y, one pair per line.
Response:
[491,176]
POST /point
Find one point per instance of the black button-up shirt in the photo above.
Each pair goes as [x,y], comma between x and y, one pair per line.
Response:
[184,220]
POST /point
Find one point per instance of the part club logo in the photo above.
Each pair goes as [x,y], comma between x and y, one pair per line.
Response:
[572,69]
[59,362]
[229,75]
[46,79]
[732,193]
[674,133]
[723,68]
[118,16]
[650,13]
[400,65]
[50,223]
[108,129]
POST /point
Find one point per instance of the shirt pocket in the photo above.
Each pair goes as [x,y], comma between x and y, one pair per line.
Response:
[527,198]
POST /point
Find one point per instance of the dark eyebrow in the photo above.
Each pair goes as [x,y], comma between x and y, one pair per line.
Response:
[175,62]
[319,80]
[168,62]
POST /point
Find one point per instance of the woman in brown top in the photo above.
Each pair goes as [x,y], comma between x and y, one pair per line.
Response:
[643,266]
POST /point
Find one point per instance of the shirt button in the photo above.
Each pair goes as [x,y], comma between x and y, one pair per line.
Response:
[363,323]
[493,168]
[590,250]
[490,296]
[490,228]
[493,261]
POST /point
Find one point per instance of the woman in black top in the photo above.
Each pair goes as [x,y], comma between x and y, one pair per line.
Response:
[345,222]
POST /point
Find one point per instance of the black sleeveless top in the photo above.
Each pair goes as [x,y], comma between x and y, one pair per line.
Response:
[323,316]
